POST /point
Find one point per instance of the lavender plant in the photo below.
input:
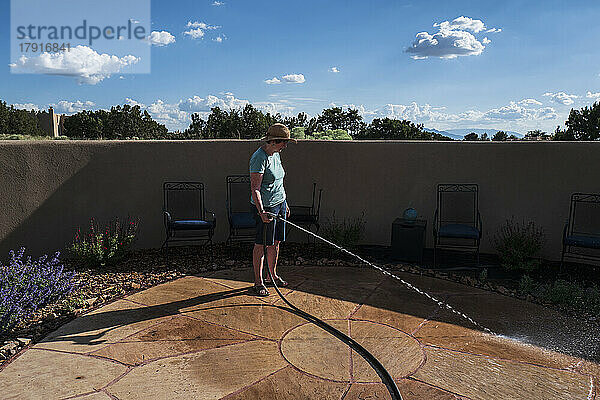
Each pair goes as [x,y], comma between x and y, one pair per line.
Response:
[101,247]
[27,285]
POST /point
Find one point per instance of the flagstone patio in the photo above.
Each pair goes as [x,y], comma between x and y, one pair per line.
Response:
[205,337]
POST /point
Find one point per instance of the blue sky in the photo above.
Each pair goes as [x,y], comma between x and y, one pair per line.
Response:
[512,65]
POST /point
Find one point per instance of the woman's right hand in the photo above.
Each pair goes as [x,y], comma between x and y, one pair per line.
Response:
[266,218]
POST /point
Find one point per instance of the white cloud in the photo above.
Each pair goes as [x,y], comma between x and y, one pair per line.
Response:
[198,28]
[12,65]
[200,104]
[134,21]
[26,106]
[218,3]
[462,24]
[168,114]
[197,33]
[219,39]
[561,98]
[515,111]
[273,81]
[445,44]
[591,95]
[72,107]
[161,38]
[452,40]
[133,103]
[293,78]
[201,25]
[335,70]
[275,108]
[529,102]
[494,30]
[81,62]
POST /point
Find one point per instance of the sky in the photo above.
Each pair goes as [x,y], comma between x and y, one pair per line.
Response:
[510,65]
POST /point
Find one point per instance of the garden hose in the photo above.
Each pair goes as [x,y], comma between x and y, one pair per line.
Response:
[385,376]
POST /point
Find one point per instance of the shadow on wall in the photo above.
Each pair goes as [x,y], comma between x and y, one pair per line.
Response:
[101,190]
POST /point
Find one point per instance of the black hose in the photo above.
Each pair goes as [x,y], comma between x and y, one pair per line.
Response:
[385,376]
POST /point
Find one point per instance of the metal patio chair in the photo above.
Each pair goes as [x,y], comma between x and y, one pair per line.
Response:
[457,221]
[581,234]
[242,226]
[185,214]
[307,216]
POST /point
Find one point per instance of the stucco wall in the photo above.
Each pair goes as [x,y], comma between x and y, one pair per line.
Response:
[50,188]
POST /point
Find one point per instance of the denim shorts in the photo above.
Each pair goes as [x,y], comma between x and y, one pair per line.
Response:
[275,228]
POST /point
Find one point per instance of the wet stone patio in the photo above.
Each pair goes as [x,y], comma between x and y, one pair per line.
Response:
[205,337]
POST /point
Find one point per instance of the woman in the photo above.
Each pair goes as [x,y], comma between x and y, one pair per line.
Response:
[268,195]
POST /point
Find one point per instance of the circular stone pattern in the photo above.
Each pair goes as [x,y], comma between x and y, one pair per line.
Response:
[316,352]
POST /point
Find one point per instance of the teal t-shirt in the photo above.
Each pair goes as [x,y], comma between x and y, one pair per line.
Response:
[271,188]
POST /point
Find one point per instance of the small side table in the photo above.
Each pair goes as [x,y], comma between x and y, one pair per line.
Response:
[408,239]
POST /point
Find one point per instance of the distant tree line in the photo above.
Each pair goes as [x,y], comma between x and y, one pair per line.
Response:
[18,122]
[121,122]
[335,123]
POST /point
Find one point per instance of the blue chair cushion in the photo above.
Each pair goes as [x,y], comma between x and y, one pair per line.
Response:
[241,220]
[191,224]
[591,242]
[459,231]
[303,219]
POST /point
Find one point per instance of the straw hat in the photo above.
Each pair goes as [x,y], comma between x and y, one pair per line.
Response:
[278,132]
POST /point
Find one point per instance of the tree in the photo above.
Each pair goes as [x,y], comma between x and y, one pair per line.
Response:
[584,124]
[121,122]
[19,122]
[4,118]
[336,118]
[395,129]
[535,135]
[562,135]
[84,125]
[471,137]
[500,136]
[484,137]
[196,128]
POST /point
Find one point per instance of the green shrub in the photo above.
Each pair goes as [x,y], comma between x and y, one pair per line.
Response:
[101,247]
[347,232]
[518,244]
[298,132]
[527,285]
[483,275]
[566,293]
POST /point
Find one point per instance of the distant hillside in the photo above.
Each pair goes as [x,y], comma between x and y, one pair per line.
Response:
[459,134]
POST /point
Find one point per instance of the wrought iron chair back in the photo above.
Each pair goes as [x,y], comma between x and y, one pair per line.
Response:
[241,220]
[308,215]
[581,234]
[457,218]
[185,214]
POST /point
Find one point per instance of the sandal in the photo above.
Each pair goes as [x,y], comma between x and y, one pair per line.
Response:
[259,290]
[280,282]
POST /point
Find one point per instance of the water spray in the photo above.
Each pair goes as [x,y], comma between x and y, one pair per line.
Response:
[440,303]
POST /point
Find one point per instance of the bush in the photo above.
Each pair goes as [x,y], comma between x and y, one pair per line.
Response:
[103,247]
[518,244]
[527,285]
[26,286]
[345,233]
[298,132]
[566,293]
